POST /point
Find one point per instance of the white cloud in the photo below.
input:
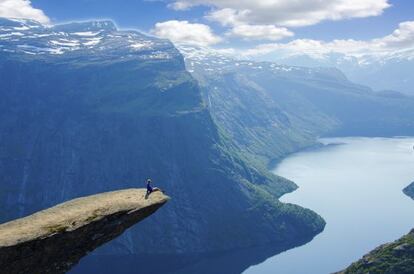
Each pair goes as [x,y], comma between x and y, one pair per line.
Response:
[227,17]
[290,13]
[260,32]
[399,43]
[183,32]
[230,17]
[401,37]
[180,5]
[21,9]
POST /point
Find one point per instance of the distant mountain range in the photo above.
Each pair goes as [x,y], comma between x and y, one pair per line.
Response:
[395,73]
[270,109]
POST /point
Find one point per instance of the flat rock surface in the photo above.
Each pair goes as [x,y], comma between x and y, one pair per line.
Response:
[53,240]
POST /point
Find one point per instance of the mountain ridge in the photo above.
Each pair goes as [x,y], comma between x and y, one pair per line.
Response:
[390,73]
[271,110]
[104,116]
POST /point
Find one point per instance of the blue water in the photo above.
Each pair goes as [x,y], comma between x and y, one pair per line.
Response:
[356,185]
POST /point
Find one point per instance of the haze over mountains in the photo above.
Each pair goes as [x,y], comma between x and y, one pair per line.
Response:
[257,101]
[394,73]
[87,108]
[382,63]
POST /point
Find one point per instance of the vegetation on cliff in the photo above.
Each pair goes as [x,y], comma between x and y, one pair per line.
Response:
[392,258]
[109,115]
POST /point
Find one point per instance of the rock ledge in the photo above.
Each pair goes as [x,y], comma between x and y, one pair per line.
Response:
[55,239]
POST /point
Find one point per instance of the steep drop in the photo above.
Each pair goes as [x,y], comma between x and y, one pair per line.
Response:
[55,239]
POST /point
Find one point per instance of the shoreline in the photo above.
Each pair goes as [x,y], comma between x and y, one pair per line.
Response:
[382,145]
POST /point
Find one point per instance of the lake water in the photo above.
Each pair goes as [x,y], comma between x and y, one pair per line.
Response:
[356,185]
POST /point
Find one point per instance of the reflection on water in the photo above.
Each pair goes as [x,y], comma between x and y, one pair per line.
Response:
[223,263]
[356,186]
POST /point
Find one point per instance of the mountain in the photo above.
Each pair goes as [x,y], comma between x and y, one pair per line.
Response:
[394,258]
[53,240]
[269,110]
[87,108]
[392,73]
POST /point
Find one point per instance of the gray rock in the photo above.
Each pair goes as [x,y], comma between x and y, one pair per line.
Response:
[55,239]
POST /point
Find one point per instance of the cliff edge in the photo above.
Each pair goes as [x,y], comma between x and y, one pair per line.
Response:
[55,239]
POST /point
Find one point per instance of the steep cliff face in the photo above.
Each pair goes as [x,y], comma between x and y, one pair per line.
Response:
[86,108]
[269,109]
[392,258]
[55,239]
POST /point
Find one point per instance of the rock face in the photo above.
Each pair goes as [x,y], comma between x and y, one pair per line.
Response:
[409,190]
[86,108]
[55,239]
[391,258]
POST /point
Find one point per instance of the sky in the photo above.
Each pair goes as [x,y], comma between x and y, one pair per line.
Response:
[251,28]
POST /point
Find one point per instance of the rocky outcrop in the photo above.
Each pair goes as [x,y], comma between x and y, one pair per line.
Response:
[391,258]
[409,190]
[55,239]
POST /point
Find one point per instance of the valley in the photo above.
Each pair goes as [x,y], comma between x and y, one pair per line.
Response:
[89,108]
[356,185]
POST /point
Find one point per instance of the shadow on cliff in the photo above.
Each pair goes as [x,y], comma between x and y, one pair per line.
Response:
[234,262]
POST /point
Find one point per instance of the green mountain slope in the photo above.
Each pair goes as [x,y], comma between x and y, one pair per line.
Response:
[270,110]
[110,111]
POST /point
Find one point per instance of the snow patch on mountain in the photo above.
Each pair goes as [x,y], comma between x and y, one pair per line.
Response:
[209,61]
[32,39]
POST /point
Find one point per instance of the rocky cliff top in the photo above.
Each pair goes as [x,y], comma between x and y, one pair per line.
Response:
[96,41]
[53,240]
